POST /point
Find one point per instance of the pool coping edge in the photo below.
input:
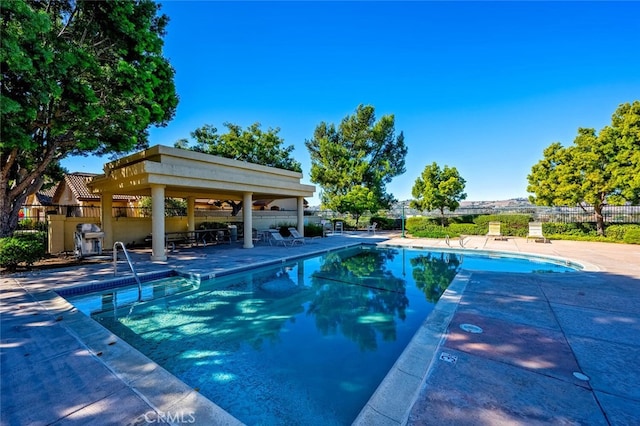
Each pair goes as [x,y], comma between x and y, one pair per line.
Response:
[146,378]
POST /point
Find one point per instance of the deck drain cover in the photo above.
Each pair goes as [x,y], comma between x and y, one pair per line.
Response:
[580,376]
[470,328]
[448,358]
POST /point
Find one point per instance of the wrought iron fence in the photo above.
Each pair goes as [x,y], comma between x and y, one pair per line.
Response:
[40,212]
[611,214]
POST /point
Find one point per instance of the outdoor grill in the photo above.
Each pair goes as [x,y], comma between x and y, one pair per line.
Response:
[88,239]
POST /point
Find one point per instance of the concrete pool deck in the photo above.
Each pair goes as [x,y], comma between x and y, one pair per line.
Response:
[59,367]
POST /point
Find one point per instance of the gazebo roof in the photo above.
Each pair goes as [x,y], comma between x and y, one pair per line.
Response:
[186,173]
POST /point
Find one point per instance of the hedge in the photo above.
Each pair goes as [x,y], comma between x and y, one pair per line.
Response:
[431,231]
[632,235]
[458,229]
[419,223]
[628,233]
[426,229]
[576,229]
[383,222]
[517,225]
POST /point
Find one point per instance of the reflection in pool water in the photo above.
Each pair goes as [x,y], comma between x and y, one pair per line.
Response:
[306,342]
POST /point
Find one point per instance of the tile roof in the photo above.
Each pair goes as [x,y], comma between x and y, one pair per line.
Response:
[45,196]
[77,183]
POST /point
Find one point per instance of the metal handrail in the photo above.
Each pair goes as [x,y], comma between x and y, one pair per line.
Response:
[133,269]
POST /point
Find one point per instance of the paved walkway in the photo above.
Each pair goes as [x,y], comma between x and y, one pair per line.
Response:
[542,336]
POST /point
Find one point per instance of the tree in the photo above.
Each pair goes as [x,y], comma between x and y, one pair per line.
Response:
[359,200]
[172,206]
[78,77]
[251,145]
[359,157]
[597,170]
[438,189]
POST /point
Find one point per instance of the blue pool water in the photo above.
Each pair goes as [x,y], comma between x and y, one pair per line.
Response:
[305,342]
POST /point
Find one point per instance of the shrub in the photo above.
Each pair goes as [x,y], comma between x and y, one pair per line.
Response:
[431,231]
[383,222]
[215,225]
[573,229]
[418,223]
[580,238]
[21,248]
[632,235]
[431,228]
[467,218]
[347,223]
[457,229]
[310,229]
[26,224]
[616,232]
[313,230]
[283,228]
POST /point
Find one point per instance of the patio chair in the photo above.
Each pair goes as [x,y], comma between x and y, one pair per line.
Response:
[223,236]
[276,238]
[295,236]
[372,227]
[255,236]
[337,228]
[535,232]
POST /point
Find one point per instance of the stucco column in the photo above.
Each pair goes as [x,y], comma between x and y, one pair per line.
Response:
[106,211]
[191,208]
[301,215]
[247,217]
[56,233]
[157,223]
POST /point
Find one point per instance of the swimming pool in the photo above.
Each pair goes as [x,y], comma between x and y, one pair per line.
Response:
[304,342]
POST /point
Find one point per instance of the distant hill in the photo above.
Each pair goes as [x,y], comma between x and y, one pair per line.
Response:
[513,202]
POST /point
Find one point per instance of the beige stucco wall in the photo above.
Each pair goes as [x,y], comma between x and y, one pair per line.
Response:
[66,197]
[136,229]
[61,232]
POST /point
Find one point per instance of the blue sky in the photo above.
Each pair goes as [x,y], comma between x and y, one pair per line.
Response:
[480,86]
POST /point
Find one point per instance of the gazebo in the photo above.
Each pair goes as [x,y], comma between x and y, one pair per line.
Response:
[162,171]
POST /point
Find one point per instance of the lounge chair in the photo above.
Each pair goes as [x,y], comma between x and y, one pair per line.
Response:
[372,228]
[295,236]
[535,232]
[494,231]
[276,238]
